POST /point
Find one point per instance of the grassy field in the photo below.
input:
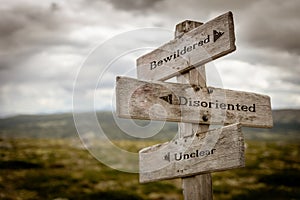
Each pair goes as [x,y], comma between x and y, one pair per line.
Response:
[59,169]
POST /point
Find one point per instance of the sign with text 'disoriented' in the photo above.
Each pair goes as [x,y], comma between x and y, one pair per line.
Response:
[177,102]
[215,150]
[196,47]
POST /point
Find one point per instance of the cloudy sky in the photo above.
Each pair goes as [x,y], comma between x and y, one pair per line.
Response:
[48,47]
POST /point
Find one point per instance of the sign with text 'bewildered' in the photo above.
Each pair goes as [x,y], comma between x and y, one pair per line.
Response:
[198,46]
[185,103]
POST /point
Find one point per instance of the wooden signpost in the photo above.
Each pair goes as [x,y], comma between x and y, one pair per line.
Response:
[196,151]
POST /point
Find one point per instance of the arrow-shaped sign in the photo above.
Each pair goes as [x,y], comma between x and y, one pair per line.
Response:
[196,47]
[215,150]
[183,103]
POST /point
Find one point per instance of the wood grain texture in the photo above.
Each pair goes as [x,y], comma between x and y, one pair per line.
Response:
[149,100]
[198,187]
[215,150]
[189,50]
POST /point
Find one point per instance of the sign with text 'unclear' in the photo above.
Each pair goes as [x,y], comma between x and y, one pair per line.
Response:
[216,150]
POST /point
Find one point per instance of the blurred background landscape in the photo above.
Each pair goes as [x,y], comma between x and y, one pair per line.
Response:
[48,72]
[286,127]
[42,157]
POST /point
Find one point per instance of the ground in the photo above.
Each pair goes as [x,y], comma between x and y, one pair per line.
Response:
[59,169]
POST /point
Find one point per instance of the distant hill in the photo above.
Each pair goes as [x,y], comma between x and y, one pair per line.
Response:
[63,126]
[286,126]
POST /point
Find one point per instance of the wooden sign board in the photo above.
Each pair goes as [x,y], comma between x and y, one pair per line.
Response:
[216,150]
[196,47]
[177,102]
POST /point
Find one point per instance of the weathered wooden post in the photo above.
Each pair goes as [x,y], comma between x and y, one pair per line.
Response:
[197,187]
[197,151]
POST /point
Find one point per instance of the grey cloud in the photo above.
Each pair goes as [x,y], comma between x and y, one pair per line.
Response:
[31,26]
[266,33]
[26,30]
[215,6]
[292,79]
[176,10]
[269,57]
[13,59]
[268,24]
[283,66]
[134,5]
[23,21]
[272,25]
